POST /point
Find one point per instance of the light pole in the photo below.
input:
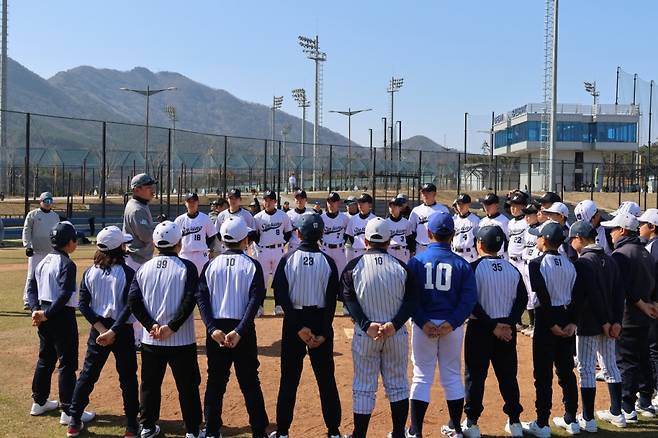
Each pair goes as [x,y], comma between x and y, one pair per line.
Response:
[299,94]
[590,87]
[394,86]
[284,134]
[148,93]
[277,101]
[349,113]
[311,47]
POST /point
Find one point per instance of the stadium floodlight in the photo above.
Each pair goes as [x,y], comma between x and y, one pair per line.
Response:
[299,94]
[277,101]
[394,86]
[590,87]
[349,113]
[148,93]
[311,47]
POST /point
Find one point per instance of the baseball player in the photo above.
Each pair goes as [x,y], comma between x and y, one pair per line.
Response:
[333,236]
[466,227]
[162,298]
[516,230]
[138,221]
[421,214]
[447,296]
[558,212]
[230,290]
[234,209]
[548,198]
[104,304]
[351,206]
[599,324]
[491,333]
[587,211]
[649,233]
[273,230]
[628,207]
[300,209]
[530,252]
[552,277]
[400,231]
[381,296]
[198,233]
[52,299]
[306,286]
[36,236]
[216,207]
[491,206]
[638,269]
[356,227]
[406,210]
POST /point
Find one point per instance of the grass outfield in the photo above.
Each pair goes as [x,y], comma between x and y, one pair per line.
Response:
[19,350]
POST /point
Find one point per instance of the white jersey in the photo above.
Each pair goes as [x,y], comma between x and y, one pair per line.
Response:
[54,276]
[497,220]
[516,231]
[530,250]
[247,217]
[400,230]
[294,215]
[465,229]
[334,228]
[418,220]
[602,240]
[356,228]
[195,231]
[272,227]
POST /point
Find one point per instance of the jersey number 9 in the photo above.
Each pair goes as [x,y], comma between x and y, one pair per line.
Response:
[443,279]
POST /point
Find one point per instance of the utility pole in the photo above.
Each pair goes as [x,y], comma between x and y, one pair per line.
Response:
[394,86]
[553,133]
[4,153]
[299,94]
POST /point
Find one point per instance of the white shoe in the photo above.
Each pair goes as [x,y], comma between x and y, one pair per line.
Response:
[631,417]
[49,405]
[571,428]
[533,429]
[150,433]
[190,435]
[450,432]
[587,425]
[600,376]
[260,312]
[647,411]
[273,435]
[615,420]
[514,429]
[86,417]
[278,310]
[472,431]
[654,402]
[410,435]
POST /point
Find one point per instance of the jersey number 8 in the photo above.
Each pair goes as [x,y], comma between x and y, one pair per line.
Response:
[443,278]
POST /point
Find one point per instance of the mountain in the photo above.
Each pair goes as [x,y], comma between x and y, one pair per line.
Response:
[422,143]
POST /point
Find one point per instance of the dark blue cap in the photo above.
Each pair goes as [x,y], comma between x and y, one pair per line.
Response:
[441,224]
[62,234]
[551,231]
[269,194]
[311,226]
[396,201]
[492,237]
[300,194]
[583,229]
[234,193]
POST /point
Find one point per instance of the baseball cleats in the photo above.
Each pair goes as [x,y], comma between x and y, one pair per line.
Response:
[85,418]
[571,428]
[150,433]
[450,432]
[74,430]
[631,417]
[615,420]
[191,435]
[600,376]
[470,431]
[278,311]
[274,435]
[514,429]
[408,434]
[587,425]
[645,411]
[534,430]
[49,405]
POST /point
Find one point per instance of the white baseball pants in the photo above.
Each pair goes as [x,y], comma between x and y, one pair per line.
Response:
[588,349]
[337,255]
[32,263]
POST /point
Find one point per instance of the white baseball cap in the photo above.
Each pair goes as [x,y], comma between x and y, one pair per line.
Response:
[649,216]
[377,230]
[111,238]
[234,229]
[585,210]
[626,221]
[558,207]
[628,207]
[167,234]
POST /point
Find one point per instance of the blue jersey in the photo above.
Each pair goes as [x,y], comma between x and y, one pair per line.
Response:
[446,283]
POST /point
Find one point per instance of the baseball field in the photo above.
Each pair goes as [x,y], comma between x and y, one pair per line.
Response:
[20,345]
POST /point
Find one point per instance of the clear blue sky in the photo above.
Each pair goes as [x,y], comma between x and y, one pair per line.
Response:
[455,56]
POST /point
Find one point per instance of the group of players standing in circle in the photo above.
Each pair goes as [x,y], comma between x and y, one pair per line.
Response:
[424,264]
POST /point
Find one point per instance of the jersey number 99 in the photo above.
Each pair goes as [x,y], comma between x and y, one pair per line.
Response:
[443,278]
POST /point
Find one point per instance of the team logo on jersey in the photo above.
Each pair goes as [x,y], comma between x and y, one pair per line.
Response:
[333,230]
[422,220]
[272,226]
[191,230]
[359,231]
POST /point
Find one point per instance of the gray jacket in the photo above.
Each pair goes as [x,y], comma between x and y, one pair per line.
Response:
[138,222]
[36,230]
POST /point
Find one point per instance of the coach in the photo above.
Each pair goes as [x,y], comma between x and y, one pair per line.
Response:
[138,222]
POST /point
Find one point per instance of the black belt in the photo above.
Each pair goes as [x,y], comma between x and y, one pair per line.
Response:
[515,258]
[398,247]
[298,307]
[278,245]
[462,250]
[332,245]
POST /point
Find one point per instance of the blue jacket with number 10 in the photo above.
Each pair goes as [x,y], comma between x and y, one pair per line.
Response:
[446,286]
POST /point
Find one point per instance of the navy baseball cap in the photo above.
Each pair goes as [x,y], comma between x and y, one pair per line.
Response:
[365,197]
[269,194]
[428,187]
[583,229]
[518,199]
[549,198]
[350,200]
[234,193]
[551,231]
[490,198]
[333,197]
[491,236]
[300,194]
[464,198]
[62,234]
[191,197]
[530,209]
[396,201]
[311,226]
[403,197]
[441,224]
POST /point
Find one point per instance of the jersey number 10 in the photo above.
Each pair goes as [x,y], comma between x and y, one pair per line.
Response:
[443,278]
